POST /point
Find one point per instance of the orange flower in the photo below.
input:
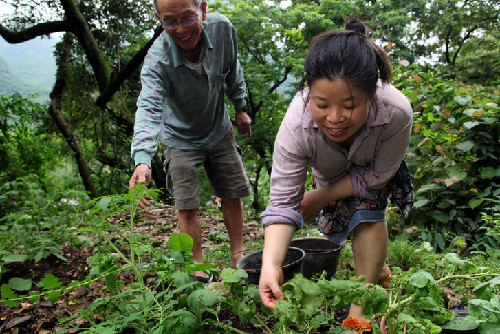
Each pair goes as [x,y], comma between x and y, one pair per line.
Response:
[356,325]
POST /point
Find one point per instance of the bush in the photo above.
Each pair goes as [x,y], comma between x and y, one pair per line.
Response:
[453,157]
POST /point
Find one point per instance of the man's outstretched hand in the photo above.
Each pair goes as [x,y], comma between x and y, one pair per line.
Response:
[142,174]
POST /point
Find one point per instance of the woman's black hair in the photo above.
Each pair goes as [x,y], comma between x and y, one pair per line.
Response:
[348,55]
[355,25]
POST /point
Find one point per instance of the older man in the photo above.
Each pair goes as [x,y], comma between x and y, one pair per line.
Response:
[184,77]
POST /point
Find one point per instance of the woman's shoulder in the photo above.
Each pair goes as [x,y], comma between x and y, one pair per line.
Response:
[392,107]
[298,114]
[393,99]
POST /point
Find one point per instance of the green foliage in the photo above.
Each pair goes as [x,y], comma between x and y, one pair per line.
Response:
[405,254]
[36,222]
[491,223]
[24,149]
[308,304]
[453,158]
[242,298]
[50,289]
[484,52]
[416,295]
[164,298]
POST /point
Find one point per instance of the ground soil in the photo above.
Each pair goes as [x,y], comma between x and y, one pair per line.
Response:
[42,316]
[160,222]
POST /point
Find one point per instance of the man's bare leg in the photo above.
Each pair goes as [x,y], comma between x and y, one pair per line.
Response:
[233,220]
[189,223]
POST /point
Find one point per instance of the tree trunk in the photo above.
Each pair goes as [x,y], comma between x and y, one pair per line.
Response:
[255,203]
[61,123]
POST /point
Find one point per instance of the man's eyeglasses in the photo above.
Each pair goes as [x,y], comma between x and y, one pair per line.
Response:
[170,25]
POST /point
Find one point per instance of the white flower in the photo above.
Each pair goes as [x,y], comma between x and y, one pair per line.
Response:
[404,62]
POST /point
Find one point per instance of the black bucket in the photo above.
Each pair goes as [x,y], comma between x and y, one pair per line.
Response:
[321,254]
[252,264]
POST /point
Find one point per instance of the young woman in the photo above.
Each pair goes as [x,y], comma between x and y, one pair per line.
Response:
[352,128]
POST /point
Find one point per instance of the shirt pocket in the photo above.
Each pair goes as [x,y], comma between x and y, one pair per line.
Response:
[221,76]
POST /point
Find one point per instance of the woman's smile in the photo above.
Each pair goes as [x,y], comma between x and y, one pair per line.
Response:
[338,108]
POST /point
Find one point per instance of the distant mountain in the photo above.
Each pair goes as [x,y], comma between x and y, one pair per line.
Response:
[31,67]
[11,83]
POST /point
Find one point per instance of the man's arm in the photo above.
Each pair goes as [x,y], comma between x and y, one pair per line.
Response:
[236,88]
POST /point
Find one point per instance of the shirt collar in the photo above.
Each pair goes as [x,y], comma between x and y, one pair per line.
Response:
[178,59]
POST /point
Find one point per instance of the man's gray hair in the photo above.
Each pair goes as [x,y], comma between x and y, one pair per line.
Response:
[197,3]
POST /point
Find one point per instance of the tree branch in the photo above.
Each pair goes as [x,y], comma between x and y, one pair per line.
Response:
[124,74]
[279,82]
[259,59]
[466,37]
[447,48]
[41,29]
[82,31]
[61,123]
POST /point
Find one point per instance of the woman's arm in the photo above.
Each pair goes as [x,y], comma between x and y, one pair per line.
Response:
[277,239]
[314,200]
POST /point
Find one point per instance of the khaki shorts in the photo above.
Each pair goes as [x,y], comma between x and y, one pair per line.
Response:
[224,167]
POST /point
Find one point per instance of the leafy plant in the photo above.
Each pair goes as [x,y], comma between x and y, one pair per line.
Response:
[308,304]
[36,222]
[163,298]
[453,157]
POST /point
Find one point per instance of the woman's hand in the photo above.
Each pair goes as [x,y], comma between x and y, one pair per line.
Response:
[269,285]
[276,240]
[312,203]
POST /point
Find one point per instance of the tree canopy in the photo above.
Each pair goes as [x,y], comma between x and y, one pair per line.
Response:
[94,98]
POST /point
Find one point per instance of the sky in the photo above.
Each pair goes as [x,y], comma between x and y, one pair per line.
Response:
[4,10]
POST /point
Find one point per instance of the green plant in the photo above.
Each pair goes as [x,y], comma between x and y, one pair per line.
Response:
[405,254]
[491,226]
[163,298]
[24,147]
[308,304]
[453,157]
[485,308]
[37,221]
[416,296]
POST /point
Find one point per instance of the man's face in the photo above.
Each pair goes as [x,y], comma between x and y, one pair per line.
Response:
[185,36]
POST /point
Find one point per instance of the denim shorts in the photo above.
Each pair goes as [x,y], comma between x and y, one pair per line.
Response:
[224,167]
[339,218]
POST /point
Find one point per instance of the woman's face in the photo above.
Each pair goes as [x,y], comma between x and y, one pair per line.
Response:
[339,110]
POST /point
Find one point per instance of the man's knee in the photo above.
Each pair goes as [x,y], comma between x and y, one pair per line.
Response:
[187,215]
[232,202]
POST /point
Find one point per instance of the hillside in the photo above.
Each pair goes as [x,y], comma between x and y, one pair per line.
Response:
[11,83]
[27,67]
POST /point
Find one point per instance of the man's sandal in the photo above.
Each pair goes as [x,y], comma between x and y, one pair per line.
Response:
[204,280]
[360,327]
